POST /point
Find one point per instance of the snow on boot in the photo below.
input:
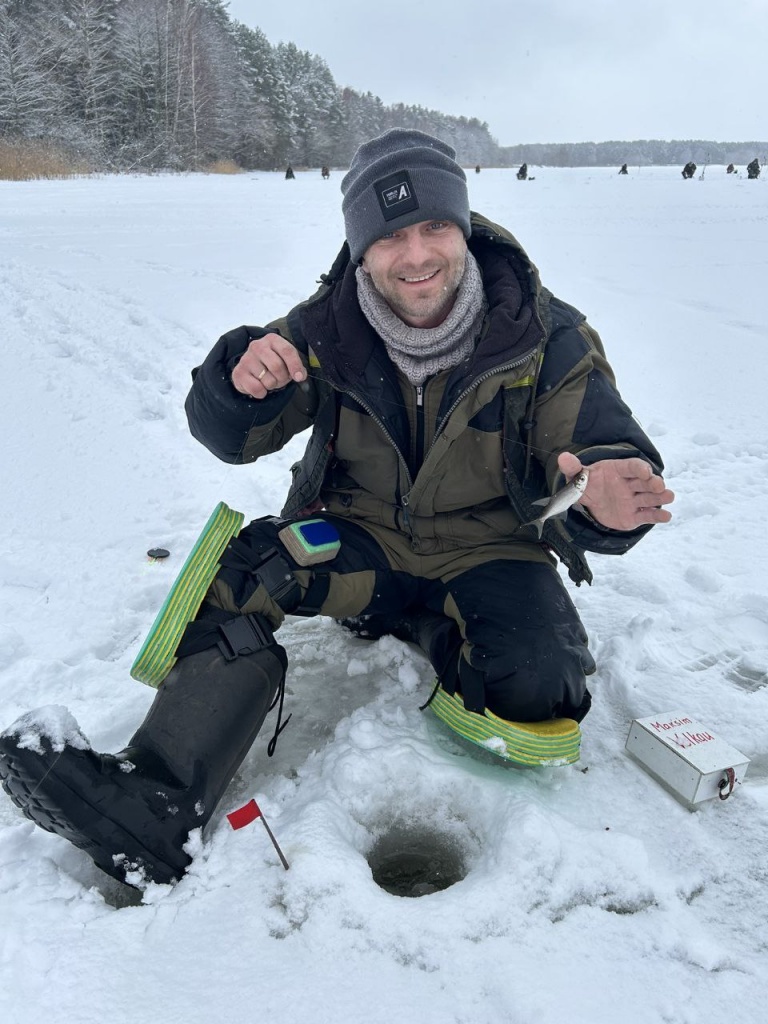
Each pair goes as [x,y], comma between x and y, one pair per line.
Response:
[132,812]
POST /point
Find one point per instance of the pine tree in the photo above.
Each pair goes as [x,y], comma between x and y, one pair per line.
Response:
[28,99]
[257,99]
[88,52]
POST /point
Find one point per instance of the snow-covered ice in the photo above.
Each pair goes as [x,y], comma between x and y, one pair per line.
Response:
[591,895]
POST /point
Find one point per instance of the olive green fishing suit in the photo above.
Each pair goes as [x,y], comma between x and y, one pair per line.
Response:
[430,486]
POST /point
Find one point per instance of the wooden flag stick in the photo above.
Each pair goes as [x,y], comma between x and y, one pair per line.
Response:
[274,842]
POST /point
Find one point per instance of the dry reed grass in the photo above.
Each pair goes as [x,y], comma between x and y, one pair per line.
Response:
[25,160]
[222,167]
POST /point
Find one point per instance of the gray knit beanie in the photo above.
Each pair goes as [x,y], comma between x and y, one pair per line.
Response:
[401,178]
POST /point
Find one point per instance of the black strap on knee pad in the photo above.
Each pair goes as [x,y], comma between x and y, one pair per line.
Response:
[234,636]
[316,593]
[472,685]
[267,566]
[469,681]
[244,635]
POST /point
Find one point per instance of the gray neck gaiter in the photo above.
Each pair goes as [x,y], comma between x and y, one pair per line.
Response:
[422,352]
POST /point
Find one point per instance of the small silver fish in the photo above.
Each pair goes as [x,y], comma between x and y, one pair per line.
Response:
[559,503]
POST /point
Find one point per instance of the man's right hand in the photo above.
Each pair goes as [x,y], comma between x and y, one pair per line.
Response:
[268,364]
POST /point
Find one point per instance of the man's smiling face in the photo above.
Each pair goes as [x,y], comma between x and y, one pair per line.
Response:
[418,270]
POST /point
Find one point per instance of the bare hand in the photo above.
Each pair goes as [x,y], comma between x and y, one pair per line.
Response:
[622,494]
[269,363]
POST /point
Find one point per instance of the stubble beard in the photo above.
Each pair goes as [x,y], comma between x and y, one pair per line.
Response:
[433,308]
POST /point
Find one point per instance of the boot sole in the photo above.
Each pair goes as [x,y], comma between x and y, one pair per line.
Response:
[37,785]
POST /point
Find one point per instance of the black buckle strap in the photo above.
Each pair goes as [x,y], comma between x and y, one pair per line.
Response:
[244,635]
[276,575]
[268,566]
[317,591]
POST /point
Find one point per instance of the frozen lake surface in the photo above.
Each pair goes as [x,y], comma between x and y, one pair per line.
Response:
[590,894]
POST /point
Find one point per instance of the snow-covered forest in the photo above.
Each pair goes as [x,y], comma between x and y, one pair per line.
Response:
[638,153]
[177,84]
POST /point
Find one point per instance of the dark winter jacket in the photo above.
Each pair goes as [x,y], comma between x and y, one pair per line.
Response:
[458,462]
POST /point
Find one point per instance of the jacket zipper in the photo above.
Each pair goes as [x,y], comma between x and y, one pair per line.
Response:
[479,380]
[420,417]
[419,424]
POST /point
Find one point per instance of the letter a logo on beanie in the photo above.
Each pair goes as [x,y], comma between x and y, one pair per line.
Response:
[396,195]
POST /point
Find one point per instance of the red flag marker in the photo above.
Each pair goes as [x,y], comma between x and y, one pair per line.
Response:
[244,815]
[250,812]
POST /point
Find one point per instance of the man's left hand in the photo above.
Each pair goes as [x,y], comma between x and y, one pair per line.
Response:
[621,494]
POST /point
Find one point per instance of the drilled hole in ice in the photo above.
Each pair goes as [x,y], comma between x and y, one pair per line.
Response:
[411,862]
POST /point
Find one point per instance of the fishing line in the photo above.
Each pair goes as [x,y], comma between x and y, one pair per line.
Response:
[33,792]
[384,401]
[304,386]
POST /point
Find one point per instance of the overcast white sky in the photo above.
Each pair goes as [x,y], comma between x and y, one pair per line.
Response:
[546,70]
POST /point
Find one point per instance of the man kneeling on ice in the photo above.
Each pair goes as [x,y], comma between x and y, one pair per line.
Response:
[450,396]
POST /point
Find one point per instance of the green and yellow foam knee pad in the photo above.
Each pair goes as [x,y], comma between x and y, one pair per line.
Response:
[554,742]
[158,653]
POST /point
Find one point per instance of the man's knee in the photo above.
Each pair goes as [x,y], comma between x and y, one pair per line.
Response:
[256,576]
[538,682]
[526,640]
[536,699]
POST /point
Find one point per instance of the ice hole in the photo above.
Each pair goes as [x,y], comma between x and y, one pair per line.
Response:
[413,862]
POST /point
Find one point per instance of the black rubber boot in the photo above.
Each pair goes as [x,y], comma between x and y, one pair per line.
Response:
[132,812]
